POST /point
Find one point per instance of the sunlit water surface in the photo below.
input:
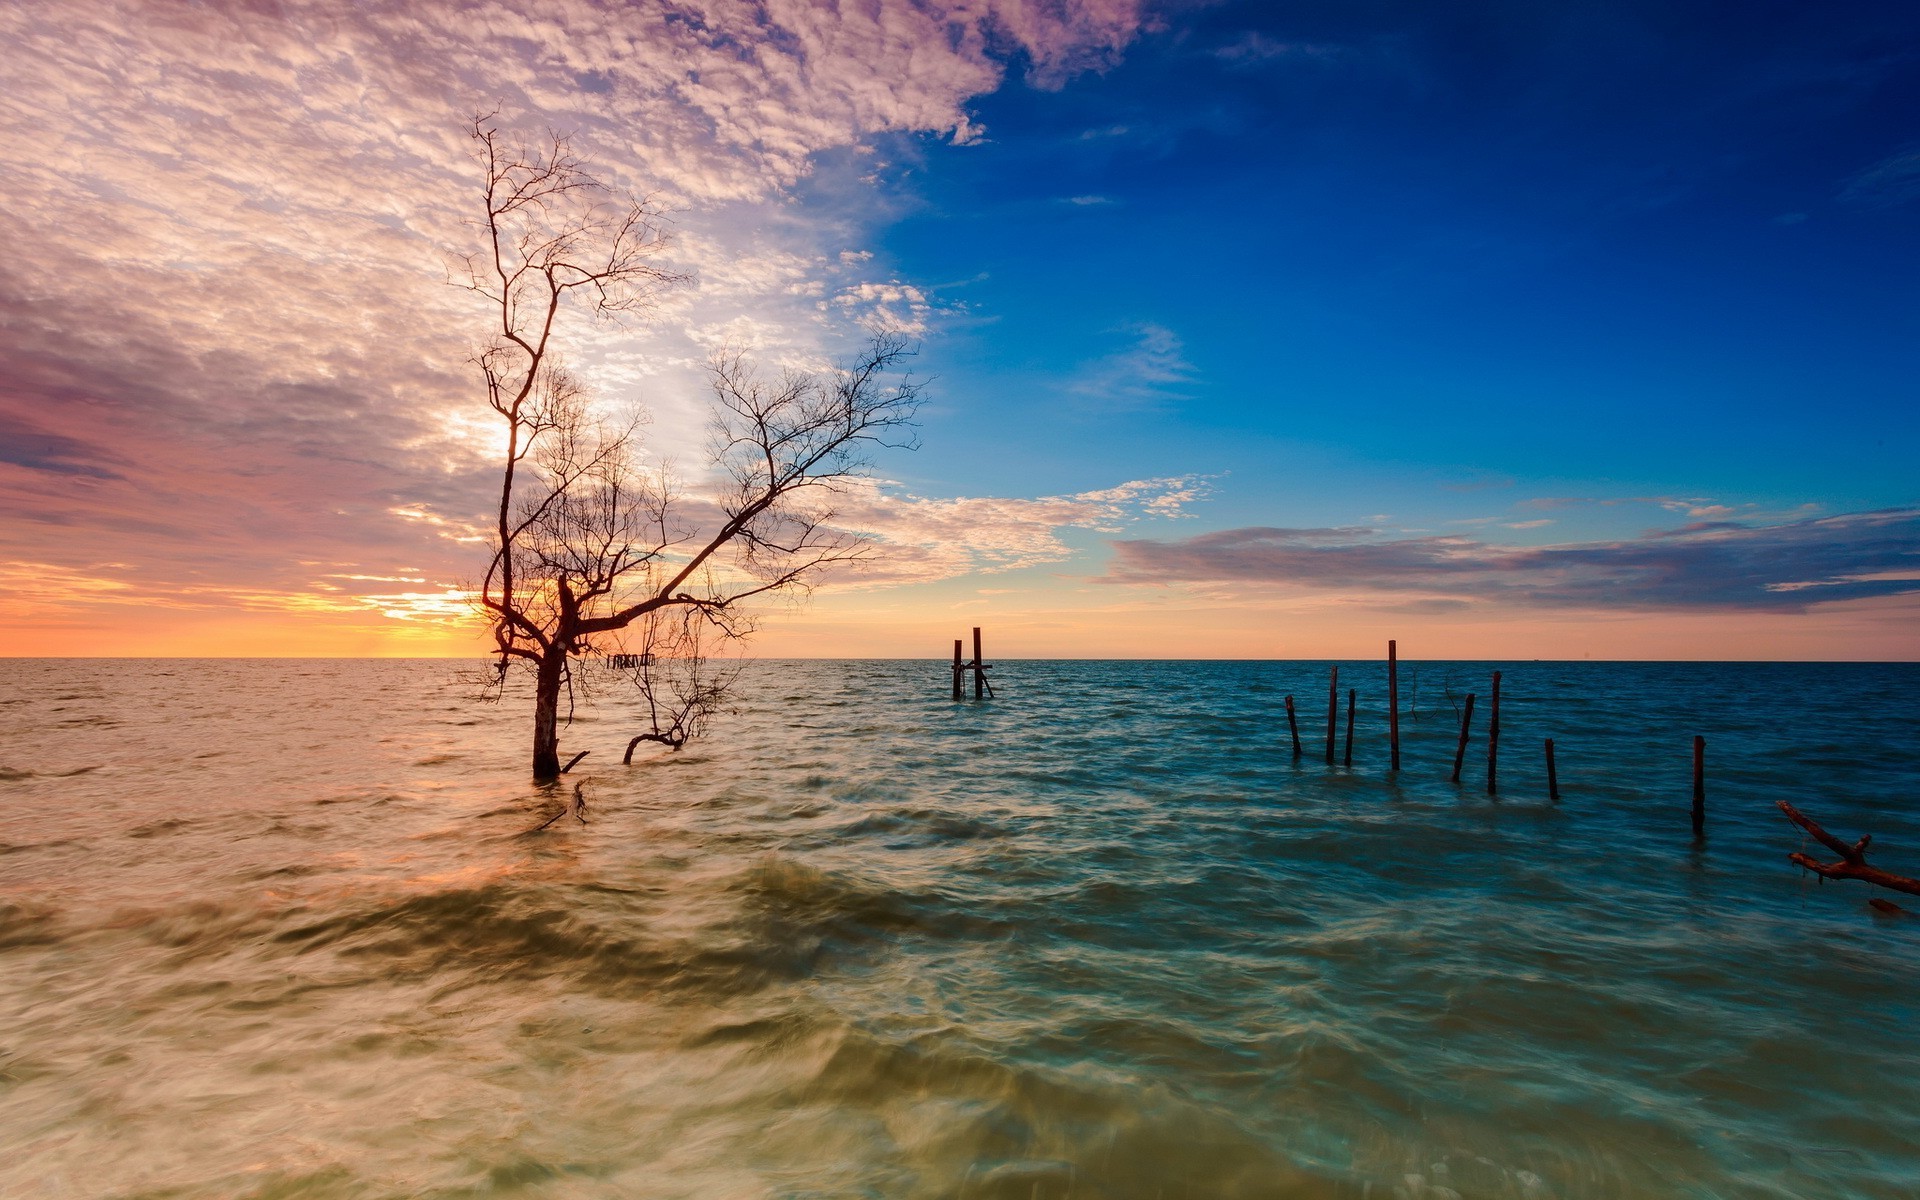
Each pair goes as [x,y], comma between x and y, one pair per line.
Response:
[284,928]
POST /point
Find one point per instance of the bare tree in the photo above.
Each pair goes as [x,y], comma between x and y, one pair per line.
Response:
[586,543]
[680,679]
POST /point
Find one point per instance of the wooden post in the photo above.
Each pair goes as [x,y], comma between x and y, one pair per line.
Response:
[1393,701]
[1293,727]
[1349,755]
[1493,737]
[1333,710]
[1553,779]
[979,668]
[1699,786]
[1466,724]
[957,669]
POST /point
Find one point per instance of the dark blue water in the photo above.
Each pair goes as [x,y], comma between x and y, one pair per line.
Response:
[287,929]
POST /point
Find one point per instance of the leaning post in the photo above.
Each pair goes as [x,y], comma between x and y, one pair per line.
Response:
[1393,701]
[1466,725]
[1553,778]
[1293,727]
[957,668]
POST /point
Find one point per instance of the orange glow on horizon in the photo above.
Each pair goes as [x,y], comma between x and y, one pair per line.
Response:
[921,622]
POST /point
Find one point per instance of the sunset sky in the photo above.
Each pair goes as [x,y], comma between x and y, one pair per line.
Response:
[1255,330]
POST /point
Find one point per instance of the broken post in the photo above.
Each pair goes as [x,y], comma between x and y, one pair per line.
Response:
[1293,727]
[1493,736]
[1466,724]
[1393,702]
[1333,710]
[1553,780]
[1699,786]
[957,669]
[1349,755]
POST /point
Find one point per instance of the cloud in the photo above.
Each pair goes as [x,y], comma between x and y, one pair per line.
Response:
[1704,565]
[1147,374]
[922,539]
[225,336]
[1254,49]
[1889,183]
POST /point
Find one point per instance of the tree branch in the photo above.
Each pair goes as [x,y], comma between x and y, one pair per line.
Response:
[1853,859]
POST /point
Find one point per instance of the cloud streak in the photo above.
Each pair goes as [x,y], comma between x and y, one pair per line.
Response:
[226,345]
[1708,565]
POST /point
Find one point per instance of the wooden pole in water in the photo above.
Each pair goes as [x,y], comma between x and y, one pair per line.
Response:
[1333,710]
[979,668]
[957,669]
[1493,736]
[1293,727]
[1699,786]
[1553,779]
[1349,755]
[1393,701]
[1466,724]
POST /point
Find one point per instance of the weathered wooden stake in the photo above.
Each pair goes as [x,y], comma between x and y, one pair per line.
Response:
[979,668]
[1293,727]
[1393,701]
[958,670]
[1699,786]
[1333,710]
[1349,755]
[1493,736]
[1466,724]
[1553,780]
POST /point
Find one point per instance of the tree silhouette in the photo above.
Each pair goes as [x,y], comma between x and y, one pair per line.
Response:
[586,542]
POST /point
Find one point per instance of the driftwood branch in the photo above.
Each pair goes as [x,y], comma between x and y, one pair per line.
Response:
[1853,859]
[576,808]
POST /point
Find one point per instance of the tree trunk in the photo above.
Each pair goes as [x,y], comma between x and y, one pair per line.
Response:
[546,716]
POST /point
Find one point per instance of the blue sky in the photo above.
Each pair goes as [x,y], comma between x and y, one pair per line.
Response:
[1390,253]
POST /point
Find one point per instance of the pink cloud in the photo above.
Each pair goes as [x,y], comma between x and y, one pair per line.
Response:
[1705,565]
[228,357]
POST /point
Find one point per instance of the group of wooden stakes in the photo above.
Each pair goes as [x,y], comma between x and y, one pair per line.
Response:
[1852,864]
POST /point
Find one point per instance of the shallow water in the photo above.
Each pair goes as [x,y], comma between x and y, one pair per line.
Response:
[281,928]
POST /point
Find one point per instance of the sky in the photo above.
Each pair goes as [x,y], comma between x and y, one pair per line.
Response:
[1264,330]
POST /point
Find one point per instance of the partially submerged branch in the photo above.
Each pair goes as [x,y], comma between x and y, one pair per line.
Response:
[679,679]
[576,807]
[1853,859]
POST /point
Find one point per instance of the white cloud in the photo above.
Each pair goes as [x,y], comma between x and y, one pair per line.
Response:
[924,539]
[1150,372]
[227,330]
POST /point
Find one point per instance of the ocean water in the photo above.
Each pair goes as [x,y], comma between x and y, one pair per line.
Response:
[287,929]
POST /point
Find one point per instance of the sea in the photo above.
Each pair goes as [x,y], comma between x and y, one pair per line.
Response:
[305,928]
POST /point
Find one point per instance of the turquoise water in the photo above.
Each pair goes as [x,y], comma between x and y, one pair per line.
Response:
[284,928]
